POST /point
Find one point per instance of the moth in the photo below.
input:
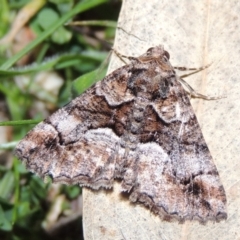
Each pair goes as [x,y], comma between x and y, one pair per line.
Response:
[136,125]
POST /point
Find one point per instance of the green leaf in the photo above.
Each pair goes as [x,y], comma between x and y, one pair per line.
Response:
[87,80]
[7,185]
[47,17]
[71,191]
[5,224]
[80,7]
[38,187]
[23,209]
[61,36]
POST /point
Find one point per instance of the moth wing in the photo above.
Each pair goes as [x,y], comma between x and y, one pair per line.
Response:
[172,171]
[76,144]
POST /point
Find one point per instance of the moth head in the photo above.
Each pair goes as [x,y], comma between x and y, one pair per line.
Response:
[156,54]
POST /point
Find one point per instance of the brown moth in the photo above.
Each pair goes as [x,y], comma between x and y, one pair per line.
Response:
[137,125]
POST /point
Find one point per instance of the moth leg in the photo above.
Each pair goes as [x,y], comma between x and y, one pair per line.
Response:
[191,69]
[195,70]
[191,91]
[195,94]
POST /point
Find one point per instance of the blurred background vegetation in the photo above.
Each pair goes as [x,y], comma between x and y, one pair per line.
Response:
[50,52]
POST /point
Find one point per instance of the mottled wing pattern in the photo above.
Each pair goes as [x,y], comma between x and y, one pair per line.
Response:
[137,124]
[77,143]
[176,177]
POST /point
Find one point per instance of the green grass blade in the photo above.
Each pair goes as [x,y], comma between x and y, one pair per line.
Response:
[19,122]
[80,7]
